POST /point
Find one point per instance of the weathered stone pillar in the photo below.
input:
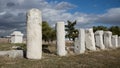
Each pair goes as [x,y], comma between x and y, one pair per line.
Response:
[60,27]
[115,41]
[99,39]
[89,39]
[34,34]
[107,39]
[119,41]
[80,42]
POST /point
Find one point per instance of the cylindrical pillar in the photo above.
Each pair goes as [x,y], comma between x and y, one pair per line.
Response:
[60,28]
[89,39]
[99,39]
[34,34]
[107,39]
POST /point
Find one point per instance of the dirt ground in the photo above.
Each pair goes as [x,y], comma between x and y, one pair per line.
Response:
[99,59]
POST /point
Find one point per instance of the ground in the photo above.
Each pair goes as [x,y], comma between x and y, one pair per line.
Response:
[99,59]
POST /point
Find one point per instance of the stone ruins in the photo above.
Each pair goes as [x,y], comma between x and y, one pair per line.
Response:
[16,37]
[107,39]
[119,41]
[87,39]
[60,29]
[79,43]
[34,34]
[99,39]
[115,41]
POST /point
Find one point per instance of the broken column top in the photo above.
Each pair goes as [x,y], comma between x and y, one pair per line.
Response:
[99,32]
[16,33]
[107,33]
[114,35]
[34,11]
[89,30]
[60,22]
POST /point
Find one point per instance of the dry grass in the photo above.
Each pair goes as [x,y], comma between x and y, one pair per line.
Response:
[100,59]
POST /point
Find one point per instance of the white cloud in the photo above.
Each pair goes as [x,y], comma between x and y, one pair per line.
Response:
[14,16]
[2,13]
[64,5]
[111,17]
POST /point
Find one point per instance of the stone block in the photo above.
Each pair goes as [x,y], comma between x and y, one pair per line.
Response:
[99,39]
[89,39]
[115,41]
[79,44]
[107,39]
[16,53]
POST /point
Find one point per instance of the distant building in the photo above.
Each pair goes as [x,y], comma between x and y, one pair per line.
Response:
[16,37]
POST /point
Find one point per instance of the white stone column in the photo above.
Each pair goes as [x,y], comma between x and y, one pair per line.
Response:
[34,34]
[119,41]
[99,39]
[60,28]
[79,43]
[107,39]
[89,39]
[115,41]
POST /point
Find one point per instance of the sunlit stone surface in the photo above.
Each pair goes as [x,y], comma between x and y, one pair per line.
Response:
[12,53]
[107,39]
[89,39]
[119,41]
[115,40]
[80,42]
[34,34]
[16,37]
[15,53]
[60,28]
[99,39]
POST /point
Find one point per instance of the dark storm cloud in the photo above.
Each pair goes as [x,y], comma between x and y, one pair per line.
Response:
[13,12]
[10,4]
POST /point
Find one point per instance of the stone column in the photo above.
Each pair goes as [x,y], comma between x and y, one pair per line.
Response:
[107,39]
[34,34]
[119,41]
[80,42]
[115,41]
[89,39]
[99,39]
[60,28]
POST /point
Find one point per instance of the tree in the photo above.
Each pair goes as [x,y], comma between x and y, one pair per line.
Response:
[48,33]
[115,30]
[72,33]
[53,35]
[95,28]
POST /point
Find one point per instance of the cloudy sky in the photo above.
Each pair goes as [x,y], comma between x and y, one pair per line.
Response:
[88,13]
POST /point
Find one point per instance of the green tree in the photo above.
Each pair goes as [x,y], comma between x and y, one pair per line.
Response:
[72,33]
[115,30]
[46,31]
[53,35]
[95,28]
